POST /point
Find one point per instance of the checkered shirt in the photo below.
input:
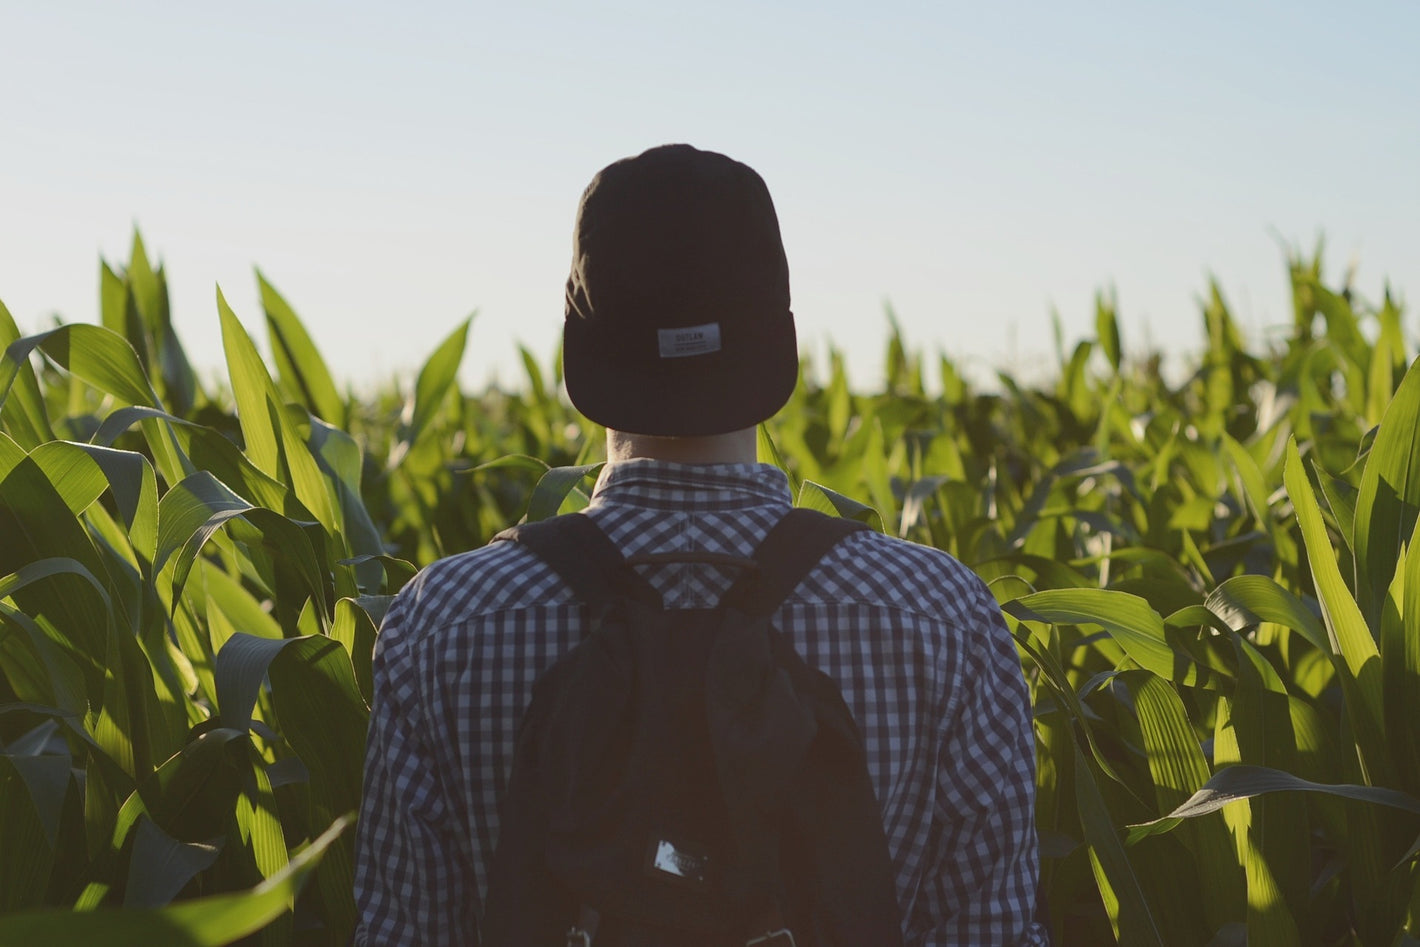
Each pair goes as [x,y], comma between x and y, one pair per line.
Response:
[913,638]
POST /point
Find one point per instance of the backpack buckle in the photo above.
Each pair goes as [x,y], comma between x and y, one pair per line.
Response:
[780,938]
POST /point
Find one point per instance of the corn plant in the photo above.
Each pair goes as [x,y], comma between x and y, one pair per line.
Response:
[1213,582]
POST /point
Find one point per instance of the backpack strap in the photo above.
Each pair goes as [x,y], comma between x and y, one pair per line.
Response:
[590,563]
[584,557]
[791,549]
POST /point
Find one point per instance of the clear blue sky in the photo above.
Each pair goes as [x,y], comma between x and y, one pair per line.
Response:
[392,168]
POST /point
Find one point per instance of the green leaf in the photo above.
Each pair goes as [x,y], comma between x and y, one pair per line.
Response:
[355,629]
[23,414]
[815,496]
[121,420]
[1269,919]
[272,442]
[397,571]
[46,778]
[28,855]
[1129,620]
[241,667]
[1400,662]
[1246,600]
[213,921]
[1179,770]
[37,525]
[1360,666]
[100,357]
[303,373]
[1107,328]
[1241,781]
[189,514]
[1389,497]
[193,510]
[252,390]
[339,457]
[325,719]
[767,451]
[161,866]
[82,472]
[227,594]
[1341,500]
[1254,488]
[323,715]
[554,487]
[10,454]
[259,826]
[60,678]
[435,379]
[130,719]
[1135,923]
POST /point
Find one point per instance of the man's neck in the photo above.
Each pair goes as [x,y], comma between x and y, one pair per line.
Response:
[736,447]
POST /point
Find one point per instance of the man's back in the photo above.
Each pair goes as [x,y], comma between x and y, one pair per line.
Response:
[912,638]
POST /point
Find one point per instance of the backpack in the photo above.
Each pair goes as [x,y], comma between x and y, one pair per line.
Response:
[681,777]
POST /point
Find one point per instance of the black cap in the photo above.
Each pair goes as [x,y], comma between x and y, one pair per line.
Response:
[677,318]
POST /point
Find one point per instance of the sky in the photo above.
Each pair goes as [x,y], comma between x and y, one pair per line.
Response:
[392,169]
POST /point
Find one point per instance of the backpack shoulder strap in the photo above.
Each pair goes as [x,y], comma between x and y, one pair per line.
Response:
[585,557]
[785,556]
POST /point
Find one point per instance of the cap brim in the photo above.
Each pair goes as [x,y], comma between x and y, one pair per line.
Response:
[692,396]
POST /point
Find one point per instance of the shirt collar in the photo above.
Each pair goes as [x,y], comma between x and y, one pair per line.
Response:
[663,485]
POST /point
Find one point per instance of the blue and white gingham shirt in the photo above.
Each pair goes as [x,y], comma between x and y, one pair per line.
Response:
[913,638]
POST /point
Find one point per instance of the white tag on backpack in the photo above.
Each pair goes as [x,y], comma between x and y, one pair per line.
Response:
[681,864]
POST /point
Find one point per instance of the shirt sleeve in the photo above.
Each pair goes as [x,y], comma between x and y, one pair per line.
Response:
[981,885]
[412,882]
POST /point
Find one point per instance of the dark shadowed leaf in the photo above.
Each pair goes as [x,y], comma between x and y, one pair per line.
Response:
[161,866]
[1243,781]
[213,921]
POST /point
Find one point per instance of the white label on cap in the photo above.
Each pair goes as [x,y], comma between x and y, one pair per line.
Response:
[690,340]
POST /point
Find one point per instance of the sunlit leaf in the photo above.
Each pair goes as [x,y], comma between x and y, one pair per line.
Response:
[304,375]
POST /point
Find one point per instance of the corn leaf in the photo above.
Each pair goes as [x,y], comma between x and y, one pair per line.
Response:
[23,414]
[1127,618]
[1389,496]
[213,921]
[1244,601]
[161,866]
[1244,781]
[303,374]
[102,358]
[1350,637]
[1134,922]
[554,488]
[435,379]
[815,496]
[82,472]
[1179,770]
[28,857]
[272,443]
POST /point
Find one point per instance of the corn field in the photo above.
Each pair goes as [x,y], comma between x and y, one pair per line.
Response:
[1214,585]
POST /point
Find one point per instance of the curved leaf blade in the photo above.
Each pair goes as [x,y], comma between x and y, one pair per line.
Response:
[213,921]
[1389,497]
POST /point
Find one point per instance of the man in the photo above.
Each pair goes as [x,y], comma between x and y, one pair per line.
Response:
[679,339]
